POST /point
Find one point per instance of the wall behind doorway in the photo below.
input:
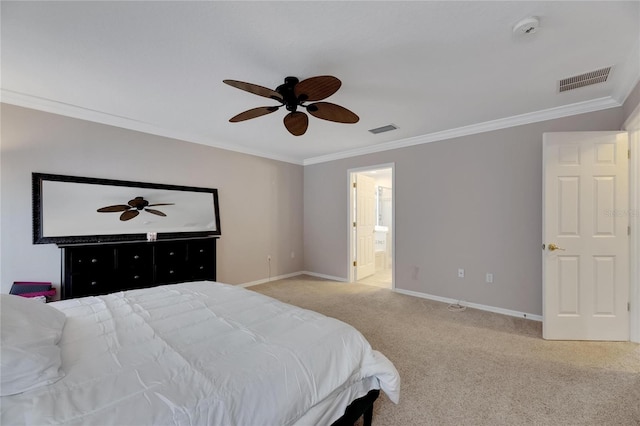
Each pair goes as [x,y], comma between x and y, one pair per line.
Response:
[471,202]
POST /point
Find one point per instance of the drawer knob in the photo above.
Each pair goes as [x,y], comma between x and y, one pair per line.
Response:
[171,271]
[94,260]
[94,282]
[136,277]
[201,250]
[201,268]
[136,257]
[171,253]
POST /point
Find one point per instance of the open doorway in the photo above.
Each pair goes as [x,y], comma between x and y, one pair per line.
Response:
[371,230]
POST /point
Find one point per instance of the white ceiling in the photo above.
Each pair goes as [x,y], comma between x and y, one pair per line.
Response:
[435,69]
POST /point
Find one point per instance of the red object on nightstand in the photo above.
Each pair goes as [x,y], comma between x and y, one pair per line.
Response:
[32,289]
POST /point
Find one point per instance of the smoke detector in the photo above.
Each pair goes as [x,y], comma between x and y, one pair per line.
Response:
[526,26]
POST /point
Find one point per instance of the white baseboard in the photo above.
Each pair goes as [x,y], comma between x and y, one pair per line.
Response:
[326,277]
[293,274]
[266,280]
[471,305]
[407,292]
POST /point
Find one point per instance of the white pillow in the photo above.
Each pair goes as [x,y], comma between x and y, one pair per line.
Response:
[30,355]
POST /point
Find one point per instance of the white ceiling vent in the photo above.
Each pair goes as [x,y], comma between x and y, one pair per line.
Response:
[383,129]
[586,79]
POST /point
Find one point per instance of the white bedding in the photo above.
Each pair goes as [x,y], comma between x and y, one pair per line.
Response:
[201,353]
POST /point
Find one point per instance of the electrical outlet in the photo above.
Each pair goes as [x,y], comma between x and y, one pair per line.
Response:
[489,277]
[460,273]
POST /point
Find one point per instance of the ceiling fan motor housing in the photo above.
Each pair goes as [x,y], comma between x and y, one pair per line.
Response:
[138,203]
[289,97]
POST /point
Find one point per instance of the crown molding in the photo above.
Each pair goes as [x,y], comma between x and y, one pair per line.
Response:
[487,126]
[74,111]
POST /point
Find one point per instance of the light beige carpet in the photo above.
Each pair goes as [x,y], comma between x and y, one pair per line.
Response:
[475,367]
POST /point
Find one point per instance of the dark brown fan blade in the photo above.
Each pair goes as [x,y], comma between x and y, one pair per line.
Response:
[158,212]
[161,204]
[253,113]
[317,88]
[296,123]
[116,208]
[255,89]
[332,112]
[130,214]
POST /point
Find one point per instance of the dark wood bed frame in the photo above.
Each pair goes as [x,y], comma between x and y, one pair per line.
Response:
[361,407]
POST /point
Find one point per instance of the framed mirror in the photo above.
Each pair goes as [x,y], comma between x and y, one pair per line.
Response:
[71,209]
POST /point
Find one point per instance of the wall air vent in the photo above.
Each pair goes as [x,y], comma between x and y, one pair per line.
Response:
[383,129]
[586,79]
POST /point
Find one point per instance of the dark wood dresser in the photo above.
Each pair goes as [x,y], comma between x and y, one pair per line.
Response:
[93,269]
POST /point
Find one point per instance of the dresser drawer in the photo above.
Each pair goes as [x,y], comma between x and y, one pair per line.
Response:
[92,260]
[171,252]
[134,256]
[171,262]
[170,274]
[202,249]
[203,271]
[135,266]
[202,260]
[80,285]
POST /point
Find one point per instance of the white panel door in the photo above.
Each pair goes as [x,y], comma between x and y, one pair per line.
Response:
[586,246]
[365,226]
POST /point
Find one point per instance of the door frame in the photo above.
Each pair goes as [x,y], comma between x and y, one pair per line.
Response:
[632,126]
[351,204]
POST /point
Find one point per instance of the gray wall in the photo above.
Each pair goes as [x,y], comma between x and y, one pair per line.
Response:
[473,202]
[260,199]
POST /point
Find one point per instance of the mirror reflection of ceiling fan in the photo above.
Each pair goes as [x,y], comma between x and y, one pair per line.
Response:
[293,94]
[133,208]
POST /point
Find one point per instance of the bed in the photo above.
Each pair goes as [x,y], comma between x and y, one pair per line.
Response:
[200,353]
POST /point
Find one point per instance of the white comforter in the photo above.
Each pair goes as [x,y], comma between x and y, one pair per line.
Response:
[200,354]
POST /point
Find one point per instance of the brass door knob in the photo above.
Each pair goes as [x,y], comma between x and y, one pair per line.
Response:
[553,247]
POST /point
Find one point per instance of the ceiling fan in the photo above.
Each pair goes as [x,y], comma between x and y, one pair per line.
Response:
[293,94]
[133,208]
